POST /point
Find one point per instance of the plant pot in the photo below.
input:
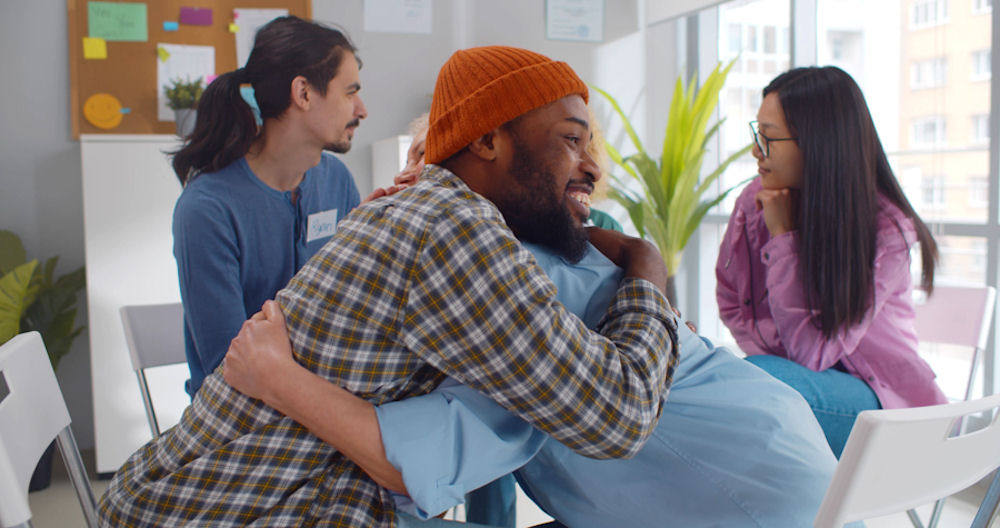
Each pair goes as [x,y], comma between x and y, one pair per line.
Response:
[42,476]
[672,290]
[185,119]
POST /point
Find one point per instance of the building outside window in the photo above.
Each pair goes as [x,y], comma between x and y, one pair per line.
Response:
[927,131]
[981,69]
[981,128]
[978,189]
[932,192]
[929,73]
[981,6]
[927,13]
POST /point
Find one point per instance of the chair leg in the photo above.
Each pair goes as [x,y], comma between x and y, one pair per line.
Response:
[936,513]
[78,475]
[988,509]
[914,518]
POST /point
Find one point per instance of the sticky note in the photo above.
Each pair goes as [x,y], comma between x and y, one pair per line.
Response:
[170,25]
[196,16]
[163,54]
[95,48]
[117,21]
[103,110]
[126,110]
[233,28]
[210,78]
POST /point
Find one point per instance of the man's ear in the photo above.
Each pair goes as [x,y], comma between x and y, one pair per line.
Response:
[301,92]
[485,146]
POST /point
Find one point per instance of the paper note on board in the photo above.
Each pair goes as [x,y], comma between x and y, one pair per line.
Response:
[250,20]
[196,16]
[183,62]
[94,48]
[117,21]
[398,16]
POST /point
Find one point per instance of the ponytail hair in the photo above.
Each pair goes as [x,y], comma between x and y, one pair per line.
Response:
[845,168]
[285,48]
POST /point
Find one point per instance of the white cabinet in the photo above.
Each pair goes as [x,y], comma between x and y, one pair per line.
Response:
[129,191]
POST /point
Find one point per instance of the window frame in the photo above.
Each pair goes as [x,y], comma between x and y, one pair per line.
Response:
[700,255]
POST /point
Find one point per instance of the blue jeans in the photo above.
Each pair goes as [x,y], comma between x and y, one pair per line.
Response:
[493,504]
[835,397]
[405,520]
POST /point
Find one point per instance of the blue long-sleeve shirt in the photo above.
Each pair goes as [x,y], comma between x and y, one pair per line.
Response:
[238,241]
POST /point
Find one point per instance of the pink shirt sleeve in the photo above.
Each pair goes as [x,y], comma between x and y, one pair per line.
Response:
[802,338]
[727,275]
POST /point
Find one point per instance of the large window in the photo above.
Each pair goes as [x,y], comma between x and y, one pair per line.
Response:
[925,69]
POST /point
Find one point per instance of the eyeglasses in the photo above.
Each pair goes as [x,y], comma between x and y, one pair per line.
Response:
[765,146]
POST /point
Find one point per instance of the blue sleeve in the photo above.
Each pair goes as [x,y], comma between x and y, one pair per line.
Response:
[208,267]
[450,442]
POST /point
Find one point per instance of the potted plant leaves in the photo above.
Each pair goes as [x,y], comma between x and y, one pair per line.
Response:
[33,298]
[182,98]
[670,206]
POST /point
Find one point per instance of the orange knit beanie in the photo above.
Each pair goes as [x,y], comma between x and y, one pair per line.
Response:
[479,89]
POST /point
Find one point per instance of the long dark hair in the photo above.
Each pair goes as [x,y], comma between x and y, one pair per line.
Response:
[284,48]
[845,168]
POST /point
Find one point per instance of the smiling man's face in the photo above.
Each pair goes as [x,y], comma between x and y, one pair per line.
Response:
[552,177]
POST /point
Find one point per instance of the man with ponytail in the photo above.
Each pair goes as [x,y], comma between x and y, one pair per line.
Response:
[260,200]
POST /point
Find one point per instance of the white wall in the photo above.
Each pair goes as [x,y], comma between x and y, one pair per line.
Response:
[40,164]
[40,175]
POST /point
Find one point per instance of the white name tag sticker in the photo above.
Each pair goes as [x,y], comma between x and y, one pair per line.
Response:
[321,225]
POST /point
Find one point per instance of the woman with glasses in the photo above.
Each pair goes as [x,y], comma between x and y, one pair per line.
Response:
[814,270]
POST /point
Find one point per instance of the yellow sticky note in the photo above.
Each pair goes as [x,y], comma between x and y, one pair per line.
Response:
[163,53]
[95,48]
[233,28]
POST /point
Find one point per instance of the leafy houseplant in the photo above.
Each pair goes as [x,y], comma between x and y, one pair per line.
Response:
[671,206]
[182,98]
[32,298]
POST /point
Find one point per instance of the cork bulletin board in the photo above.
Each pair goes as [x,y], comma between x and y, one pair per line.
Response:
[116,77]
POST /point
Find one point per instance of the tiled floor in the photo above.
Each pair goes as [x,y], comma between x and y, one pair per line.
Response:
[57,507]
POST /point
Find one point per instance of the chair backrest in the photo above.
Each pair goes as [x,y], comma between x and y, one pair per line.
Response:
[155,334]
[897,459]
[957,315]
[33,413]
[155,337]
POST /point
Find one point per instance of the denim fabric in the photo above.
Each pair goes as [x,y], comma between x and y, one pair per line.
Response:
[493,504]
[835,397]
[405,520]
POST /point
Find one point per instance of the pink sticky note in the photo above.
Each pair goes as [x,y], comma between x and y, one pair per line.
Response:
[196,16]
[210,78]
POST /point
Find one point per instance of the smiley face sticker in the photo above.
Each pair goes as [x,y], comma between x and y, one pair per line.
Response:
[103,111]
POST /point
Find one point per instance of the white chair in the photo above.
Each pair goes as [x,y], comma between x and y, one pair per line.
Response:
[960,316]
[897,459]
[155,337]
[32,414]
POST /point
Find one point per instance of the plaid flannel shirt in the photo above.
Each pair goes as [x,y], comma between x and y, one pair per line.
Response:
[426,282]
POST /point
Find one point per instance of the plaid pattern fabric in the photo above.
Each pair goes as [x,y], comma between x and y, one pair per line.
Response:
[427,281]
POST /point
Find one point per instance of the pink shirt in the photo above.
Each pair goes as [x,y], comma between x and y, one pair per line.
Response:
[762,301]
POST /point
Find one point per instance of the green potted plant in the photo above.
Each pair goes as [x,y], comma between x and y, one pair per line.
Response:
[33,298]
[182,98]
[671,204]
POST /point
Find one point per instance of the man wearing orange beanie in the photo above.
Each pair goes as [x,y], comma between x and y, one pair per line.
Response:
[428,283]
